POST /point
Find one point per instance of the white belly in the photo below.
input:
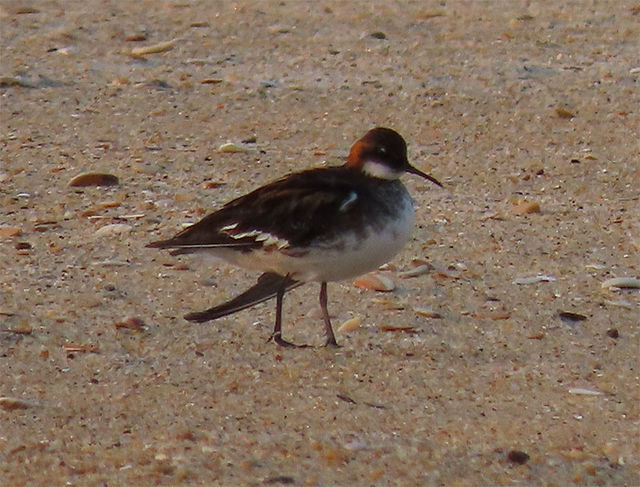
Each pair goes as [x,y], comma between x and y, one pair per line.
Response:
[348,257]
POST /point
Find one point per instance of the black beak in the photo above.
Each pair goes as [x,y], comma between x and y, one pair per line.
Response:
[418,172]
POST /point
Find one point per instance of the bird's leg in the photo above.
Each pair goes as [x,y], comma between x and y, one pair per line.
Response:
[276,336]
[331,338]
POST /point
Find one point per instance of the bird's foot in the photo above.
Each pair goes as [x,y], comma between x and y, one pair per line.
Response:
[331,342]
[278,340]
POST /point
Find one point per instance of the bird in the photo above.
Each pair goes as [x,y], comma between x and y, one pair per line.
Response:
[318,225]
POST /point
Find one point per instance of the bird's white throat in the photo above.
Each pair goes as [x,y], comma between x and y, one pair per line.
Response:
[379,170]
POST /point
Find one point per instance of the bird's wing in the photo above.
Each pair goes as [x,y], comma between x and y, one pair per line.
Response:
[266,288]
[291,212]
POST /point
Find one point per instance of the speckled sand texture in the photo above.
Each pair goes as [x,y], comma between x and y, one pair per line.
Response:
[498,359]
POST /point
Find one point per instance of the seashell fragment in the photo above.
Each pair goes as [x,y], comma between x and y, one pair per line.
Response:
[526,208]
[231,147]
[94,179]
[350,324]
[6,232]
[585,392]
[110,263]
[418,270]
[375,282]
[153,49]
[622,282]
[131,323]
[80,348]
[113,229]
[13,403]
[534,279]
[619,303]
[390,304]
[426,311]
[401,329]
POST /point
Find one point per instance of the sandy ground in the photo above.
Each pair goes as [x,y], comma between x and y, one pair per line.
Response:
[515,106]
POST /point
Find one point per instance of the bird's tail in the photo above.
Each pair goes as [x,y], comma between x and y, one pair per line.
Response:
[266,288]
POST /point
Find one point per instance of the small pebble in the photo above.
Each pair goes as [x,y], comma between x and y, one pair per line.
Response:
[212,184]
[526,208]
[211,81]
[120,81]
[564,113]
[22,328]
[209,282]
[94,179]
[280,480]
[375,282]
[518,456]
[569,317]
[613,333]
[536,336]
[430,14]
[346,398]
[614,453]
[137,37]
[355,444]
[24,9]
[16,81]
[279,29]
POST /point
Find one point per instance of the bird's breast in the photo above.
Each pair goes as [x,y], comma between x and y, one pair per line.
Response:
[361,250]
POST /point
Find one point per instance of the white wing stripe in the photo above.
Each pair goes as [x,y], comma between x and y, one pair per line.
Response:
[229,227]
[267,239]
[353,196]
